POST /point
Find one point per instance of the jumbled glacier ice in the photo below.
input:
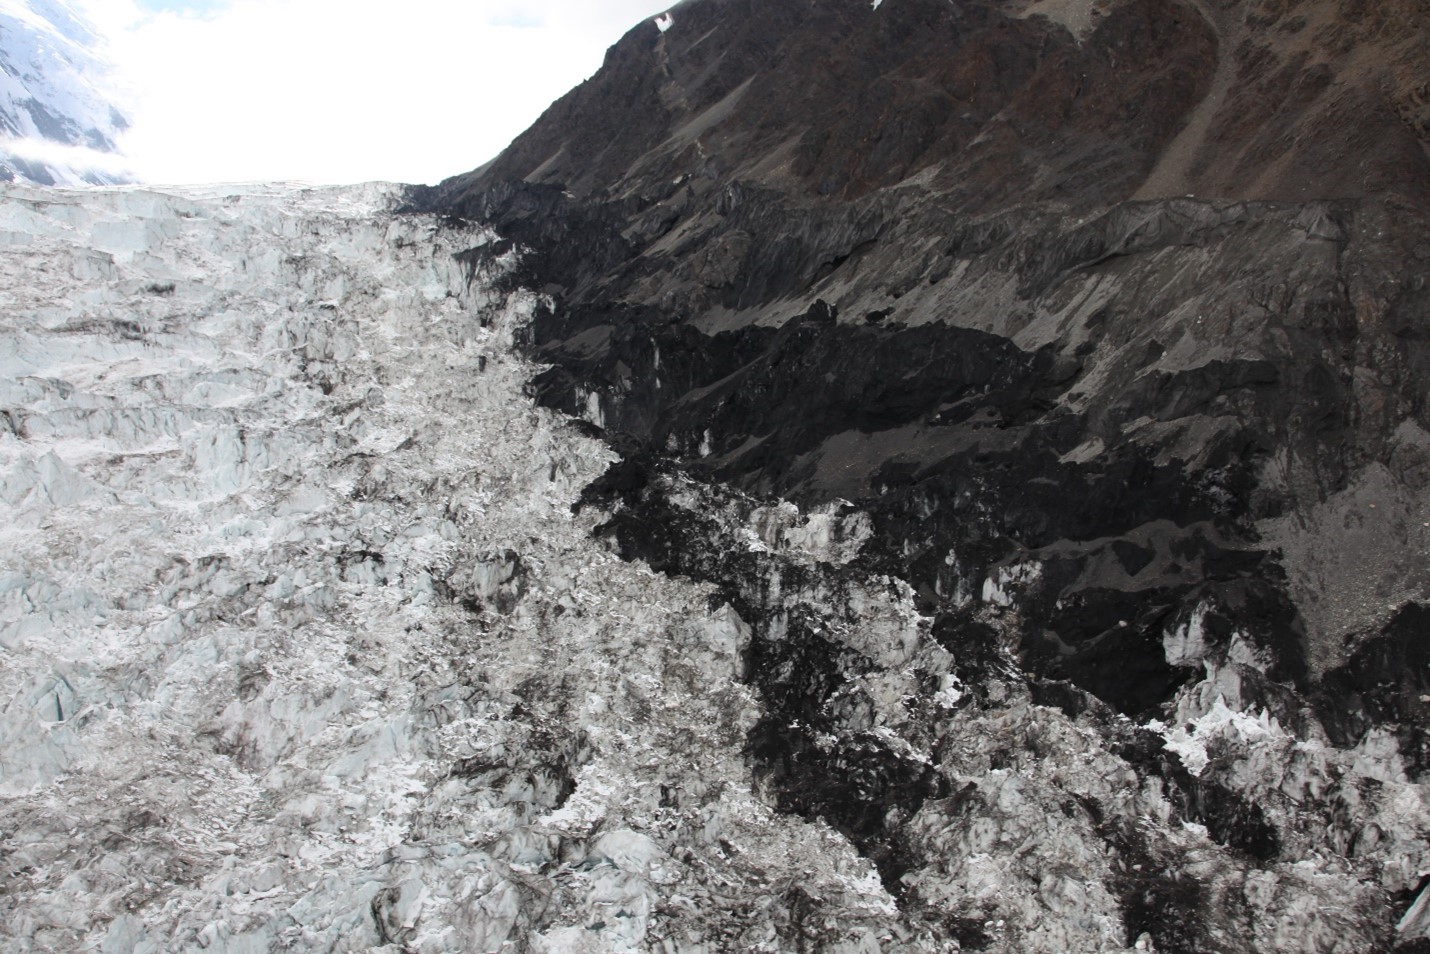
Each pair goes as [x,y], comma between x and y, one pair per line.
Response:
[302,647]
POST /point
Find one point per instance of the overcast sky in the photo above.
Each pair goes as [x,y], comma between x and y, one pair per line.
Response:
[342,91]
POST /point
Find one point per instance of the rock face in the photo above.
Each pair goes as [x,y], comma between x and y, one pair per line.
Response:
[1109,321]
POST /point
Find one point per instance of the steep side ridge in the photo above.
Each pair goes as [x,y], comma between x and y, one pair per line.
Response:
[1260,356]
[1170,451]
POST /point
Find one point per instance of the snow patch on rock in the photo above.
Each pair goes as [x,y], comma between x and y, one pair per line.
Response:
[999,588]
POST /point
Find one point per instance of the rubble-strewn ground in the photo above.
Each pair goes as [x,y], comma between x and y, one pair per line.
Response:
[303,647]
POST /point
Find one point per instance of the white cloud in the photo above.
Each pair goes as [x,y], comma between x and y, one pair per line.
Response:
[51,153]
[348,90]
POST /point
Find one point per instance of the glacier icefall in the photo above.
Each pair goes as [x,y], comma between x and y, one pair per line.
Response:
[267,467]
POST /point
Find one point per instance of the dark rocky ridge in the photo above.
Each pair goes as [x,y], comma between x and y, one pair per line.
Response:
[1115,325]
[914,257]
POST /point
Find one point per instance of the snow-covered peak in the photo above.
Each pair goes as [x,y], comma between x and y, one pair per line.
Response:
[59,119]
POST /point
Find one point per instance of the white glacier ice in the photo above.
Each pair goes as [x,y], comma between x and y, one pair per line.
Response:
[301,646]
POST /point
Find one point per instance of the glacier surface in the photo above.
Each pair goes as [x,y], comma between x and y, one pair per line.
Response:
[301,646]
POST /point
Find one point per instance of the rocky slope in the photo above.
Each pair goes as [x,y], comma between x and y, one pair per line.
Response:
[1107,322]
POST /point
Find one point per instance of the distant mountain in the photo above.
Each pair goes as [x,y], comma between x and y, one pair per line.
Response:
[59,123]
